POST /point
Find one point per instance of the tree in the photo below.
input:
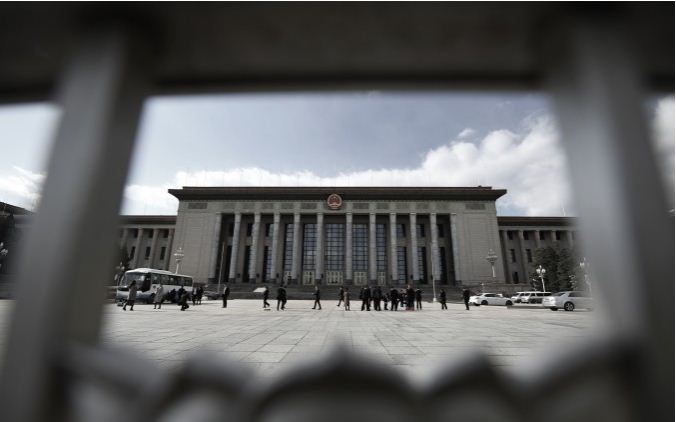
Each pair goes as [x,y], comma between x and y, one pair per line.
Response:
[560,264]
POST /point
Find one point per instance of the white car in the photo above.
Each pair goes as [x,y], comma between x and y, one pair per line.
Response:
[516,298]
[533,297]
[568,301]
[490,299]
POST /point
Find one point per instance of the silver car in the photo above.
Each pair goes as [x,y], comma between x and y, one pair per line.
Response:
[568,301]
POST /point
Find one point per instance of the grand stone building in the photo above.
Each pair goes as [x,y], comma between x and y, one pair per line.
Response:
[358,235]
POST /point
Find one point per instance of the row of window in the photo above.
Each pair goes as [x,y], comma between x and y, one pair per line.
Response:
[526,235]
[163,252]
[529,255]
[164,233]
[401,230]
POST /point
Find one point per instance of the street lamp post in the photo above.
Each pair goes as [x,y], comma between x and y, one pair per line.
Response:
[541,273]
[179,257]
[492,258]
[584,266]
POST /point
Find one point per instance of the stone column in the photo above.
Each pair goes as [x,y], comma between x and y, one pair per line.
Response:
[454,244]
[153,246]
[538,242]
[414,247]
[505,256]
[137,247]
[214,247]
[554,236]
[569,236]
[348,247]
[434,231]
[235,247]
[394,270]
[254,247]
[319,252]
[295,248]
[275,246]
[167,257]
[524,261]
[373,274]
[123,242]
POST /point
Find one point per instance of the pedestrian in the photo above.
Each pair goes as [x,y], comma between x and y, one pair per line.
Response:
[317,302]
[341,296]
[226,293]
[410,298]
[159,297]
[402,299]
[394,299]
[184,300]
[131,298]
[377,297]
[281,297]
[266,295]
[179,295]
[200,293]
[442,299]
[193,295]
[347,299]
[418,299]
[465,298]
[366,299]
[386,299]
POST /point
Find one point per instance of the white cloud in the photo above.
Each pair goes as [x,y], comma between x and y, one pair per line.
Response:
[466,133]
[21,187]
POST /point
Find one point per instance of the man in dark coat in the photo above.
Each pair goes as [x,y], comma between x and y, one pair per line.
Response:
[386,298]
[184,300]
[410,298]
[377,297]
[266,295]
[131,298]
[394,299]
[465,298]
[366,299]
[226,293]
[316,295]
[418,299]
[281,297]
[347,299]
[341,296]
[442,299]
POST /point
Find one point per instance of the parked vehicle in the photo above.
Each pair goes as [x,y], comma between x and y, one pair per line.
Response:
[534,297]
[569,301]
[516,298]
[147,280]
[490,299]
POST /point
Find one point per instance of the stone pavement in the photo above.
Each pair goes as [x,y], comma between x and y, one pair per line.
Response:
[271,341]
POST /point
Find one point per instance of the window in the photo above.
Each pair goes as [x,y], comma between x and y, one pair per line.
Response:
[231,229]
[247,260]
[267,261]
[442,265]
[440,230]
[529,255]
[162,252]
[381,248]
[422,264]
[558,235]
[525,235]
[147,254]
[509,235]
[515,277]
[268,230]
[401,265]
[288,246]
[309,246]
[360,247]
[542,235]
[334,255]
[135,232]
[512,254]
[165,233]
[151,233]
[420,230]
[401,231]
[133,252]
[249,229]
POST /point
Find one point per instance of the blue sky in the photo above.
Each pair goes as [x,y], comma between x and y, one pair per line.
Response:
[356,138]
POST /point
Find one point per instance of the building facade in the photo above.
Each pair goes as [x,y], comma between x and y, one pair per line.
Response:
[332,236]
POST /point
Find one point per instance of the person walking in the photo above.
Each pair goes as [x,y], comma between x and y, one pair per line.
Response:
[281,297]
[131,298]
[418,300]
[159,297]
[366,299]
[226,293]
[341,296]
[193,295]
[377,297]
[410,298]
[184,300]
[200,293]
[442,299]
[386,299]
[317,302]
[402,299]
[346,299]
[266,295]
[394,299]
[465,298]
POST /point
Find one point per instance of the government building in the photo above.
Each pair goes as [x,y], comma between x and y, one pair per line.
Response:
[343,236]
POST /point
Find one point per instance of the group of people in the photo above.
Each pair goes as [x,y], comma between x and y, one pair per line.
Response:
[180,297]
[408,298]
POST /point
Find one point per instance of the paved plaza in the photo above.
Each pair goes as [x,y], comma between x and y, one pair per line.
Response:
[271,341]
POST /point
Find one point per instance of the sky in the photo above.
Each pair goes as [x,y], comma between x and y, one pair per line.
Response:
[508,141]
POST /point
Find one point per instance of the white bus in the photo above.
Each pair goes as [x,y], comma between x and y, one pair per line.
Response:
[147,281]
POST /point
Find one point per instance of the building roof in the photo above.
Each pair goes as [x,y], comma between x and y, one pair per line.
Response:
[537,221]
[148,219]
[6,208]
[347,193]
